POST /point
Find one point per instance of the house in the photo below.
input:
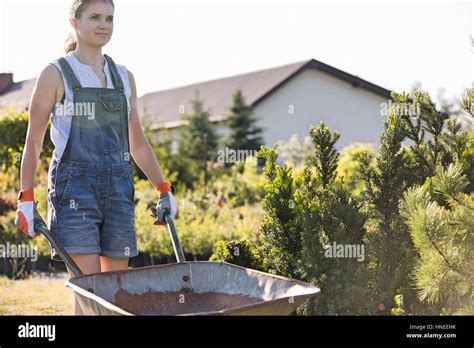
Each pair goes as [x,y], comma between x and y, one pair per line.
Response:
[285,99]
[15,94]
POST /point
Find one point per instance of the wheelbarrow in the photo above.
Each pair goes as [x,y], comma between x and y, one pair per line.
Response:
[183,288]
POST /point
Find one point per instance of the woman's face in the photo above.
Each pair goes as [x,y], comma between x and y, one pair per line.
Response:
[95,25]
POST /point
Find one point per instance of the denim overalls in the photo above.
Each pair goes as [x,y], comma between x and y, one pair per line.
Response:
[90,189]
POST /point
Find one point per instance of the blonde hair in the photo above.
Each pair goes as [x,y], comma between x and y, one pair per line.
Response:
[77,7]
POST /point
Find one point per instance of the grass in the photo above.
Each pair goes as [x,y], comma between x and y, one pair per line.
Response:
[37,295]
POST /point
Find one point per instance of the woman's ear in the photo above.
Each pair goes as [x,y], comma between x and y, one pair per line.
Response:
[73,22]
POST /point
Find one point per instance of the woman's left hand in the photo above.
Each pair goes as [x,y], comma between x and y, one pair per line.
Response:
[166,204]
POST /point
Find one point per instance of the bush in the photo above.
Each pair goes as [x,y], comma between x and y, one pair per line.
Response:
[6,206]
[13,128]
[243,186]
[349,166]
[240,252]
[200,222]
[9,235]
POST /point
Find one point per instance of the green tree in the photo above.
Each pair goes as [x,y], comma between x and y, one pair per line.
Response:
[392,254]
[440,213]
[244,132]
[388,239]
[197,145]
[332,219]
[282,224]
[305,217]
[436,140]
[444,238]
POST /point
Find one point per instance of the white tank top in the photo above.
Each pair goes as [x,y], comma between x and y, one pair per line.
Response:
[61,124]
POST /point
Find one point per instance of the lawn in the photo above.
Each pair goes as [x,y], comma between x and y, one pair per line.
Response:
[39,294]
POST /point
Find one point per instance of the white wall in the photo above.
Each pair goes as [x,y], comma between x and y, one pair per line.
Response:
[317,96]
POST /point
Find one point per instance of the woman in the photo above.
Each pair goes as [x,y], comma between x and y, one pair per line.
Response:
[95,128]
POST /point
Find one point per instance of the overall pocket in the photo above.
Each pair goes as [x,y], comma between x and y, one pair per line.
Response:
[102,131]
[63,186]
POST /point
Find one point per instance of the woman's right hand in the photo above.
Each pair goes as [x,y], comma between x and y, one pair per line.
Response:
[27,213]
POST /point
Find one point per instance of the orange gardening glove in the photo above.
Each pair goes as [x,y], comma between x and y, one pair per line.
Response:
[27,213]
[166,203]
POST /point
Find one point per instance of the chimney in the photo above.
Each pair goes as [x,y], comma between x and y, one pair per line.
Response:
[6,80]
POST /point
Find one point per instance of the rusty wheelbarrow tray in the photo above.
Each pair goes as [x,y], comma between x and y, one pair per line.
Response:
[183,288]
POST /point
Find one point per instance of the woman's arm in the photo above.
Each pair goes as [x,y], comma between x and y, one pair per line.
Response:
[140,148]
[42,102]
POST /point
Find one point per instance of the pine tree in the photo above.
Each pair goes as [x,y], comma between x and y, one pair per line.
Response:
[444,238]
[408,242]
[197,144]
[281,226]
[306,215]
[436,141]
[391,251]
[440,214]
[244,132]
[388,239]
[332,218]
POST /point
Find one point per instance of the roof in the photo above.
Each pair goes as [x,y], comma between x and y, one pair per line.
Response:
[161,109]
[18,94]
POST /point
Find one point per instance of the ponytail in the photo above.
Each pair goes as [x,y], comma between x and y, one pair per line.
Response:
[70,44]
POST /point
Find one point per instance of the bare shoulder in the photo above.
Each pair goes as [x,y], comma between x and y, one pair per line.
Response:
[50,76]
[50,81]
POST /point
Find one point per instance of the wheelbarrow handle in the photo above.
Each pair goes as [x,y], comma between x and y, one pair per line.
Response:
[56,245]
[74,268]
[178,250]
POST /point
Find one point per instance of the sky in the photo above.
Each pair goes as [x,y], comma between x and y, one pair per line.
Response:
[168,44]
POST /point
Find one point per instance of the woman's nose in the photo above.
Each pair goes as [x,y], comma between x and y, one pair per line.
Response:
[104,25]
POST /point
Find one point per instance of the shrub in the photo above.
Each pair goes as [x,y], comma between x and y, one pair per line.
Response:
[240,252]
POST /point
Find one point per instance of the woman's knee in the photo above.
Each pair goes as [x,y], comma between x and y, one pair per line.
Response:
[87,263]
[108,264]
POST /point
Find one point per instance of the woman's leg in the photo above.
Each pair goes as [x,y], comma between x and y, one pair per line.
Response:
[87,263]
[112,263]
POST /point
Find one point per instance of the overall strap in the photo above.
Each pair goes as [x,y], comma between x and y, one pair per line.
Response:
[69,74]
[118,84]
